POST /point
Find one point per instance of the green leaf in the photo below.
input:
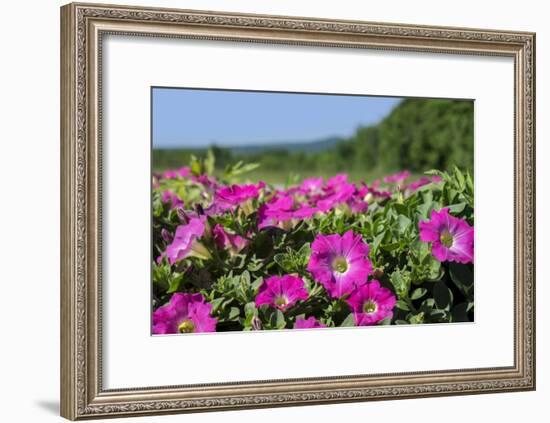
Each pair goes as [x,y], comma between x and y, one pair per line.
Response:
[209,162]
[284,261]
[348,321]
[256,284]
[460,178]
[195,166]
[417,318]
[250,309]
[401,281]
[418,293]
[461,274]
[402,305]
[305,251]
[377,241]
[403,222]
[438,314]
[234,313]
[442,295]
[457,208]
[175,282]
[216,304]
[385,322]
[280,322]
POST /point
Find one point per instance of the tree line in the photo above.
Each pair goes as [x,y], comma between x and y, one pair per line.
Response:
[418,135]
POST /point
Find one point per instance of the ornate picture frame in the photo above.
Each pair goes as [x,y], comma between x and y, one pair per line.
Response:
[82,28]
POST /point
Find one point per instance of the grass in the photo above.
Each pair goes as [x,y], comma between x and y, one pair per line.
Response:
[285,178]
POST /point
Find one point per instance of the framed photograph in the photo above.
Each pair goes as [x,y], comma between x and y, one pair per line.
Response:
[264,211]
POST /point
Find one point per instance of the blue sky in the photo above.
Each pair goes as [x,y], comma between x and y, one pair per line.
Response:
[199,118]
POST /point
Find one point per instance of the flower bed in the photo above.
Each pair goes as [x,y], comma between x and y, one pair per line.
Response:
[315,254]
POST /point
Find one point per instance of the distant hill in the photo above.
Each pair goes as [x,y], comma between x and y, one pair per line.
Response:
[313,146]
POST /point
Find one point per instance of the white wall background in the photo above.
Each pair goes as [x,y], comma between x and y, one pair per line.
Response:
[29,208]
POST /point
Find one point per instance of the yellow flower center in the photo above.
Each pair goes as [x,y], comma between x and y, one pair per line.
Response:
[340,264]
[280,301]
[370,307]
[187,326]
[446,238]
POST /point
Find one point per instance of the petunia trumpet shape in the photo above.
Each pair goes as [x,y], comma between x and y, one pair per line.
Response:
[186,242]
[185,313]
[233,243]
[309,323]
[340,263]
[281,292]
[452,238]
[172,199]
[371,303]
[182,172]
[397,177]
[232,196]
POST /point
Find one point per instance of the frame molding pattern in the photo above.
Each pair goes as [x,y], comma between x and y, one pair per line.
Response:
[82,395]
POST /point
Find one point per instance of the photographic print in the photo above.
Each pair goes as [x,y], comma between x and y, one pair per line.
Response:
[297,211]
[306,213]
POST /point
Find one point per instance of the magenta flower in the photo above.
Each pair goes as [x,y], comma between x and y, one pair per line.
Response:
[451,237]
[282,210]
[234,195]
[185,313]
[233,243]
[186,242]
[336,194]
[309,323]
[373,192]
[398,177]
[281,292]
[337,180]
[371,303]
[413,186]
[311,186]
[304,212]
[172,199]
[358,202]
[178,173]
[208,181]
[339,263]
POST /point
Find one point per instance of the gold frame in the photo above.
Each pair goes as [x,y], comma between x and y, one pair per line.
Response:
[82,27]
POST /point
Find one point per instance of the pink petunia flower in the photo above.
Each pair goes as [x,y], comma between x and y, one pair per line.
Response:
[419,183]
[186,242]
[232,196]
[185,313]
[371,303]
[178,173]
[207,181]
[283,211]
[373,192]
[451,237]
[172,199]
[309,323]
[358,202]
[397,177]
[335,195]
[337,180]
[339,263]
[281,292]
[233,243]
[311,186]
